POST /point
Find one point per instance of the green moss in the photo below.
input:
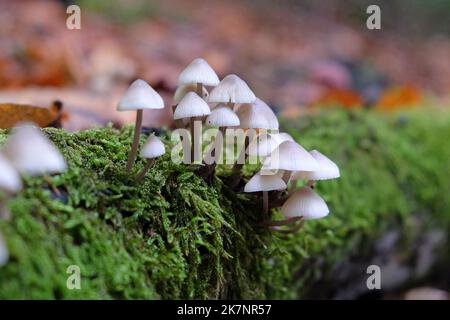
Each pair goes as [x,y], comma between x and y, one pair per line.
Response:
[174,236]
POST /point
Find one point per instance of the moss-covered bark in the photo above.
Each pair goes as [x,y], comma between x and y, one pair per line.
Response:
[174,236]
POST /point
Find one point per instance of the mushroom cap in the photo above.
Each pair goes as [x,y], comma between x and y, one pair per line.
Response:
[257,115]
[140,95]
[263,145]
[31,152]
[232,89]
[283,136]
[260,182]
[327,169]
[198,71]
[9,177]
[222,116]
[290,156]
[183,89]
[4,255]
[305,202]
[191,106]
[152,148]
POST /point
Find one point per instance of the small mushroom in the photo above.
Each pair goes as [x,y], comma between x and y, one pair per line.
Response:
[184,89]
[4,255]
[327,170]
[305,203]
[231,90]
[179,94]
[139,96]
[265,183]
[200,73]
[192,107]
[290,156]
[32,153]
[222,117]
[152,149]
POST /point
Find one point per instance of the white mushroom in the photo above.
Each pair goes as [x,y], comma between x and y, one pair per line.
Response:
[198,72]
[153,148]
[231,90]
[183,89]
[290,156]
[263,145]
[192,107]
[257,115]
[327,169]
[31,152]
[139,96]
[305,203]
[265,183]
[9,178]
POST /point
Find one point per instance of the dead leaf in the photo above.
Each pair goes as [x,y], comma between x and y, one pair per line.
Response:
[399,97]
[12,113]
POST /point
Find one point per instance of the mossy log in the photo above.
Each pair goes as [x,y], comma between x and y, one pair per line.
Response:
[176,236]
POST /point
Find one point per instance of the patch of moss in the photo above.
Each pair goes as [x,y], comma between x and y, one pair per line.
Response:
[174,236]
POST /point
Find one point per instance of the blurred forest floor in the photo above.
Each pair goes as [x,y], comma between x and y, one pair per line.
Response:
[293,54]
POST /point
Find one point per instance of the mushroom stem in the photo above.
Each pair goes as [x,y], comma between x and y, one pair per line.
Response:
[265,204]
[199,89]
[310,183]
[218,147]
[191,129]
[241,158]
[134,145]
[178,122]
[230,105]
[286,176]
[143,171]
[291,230]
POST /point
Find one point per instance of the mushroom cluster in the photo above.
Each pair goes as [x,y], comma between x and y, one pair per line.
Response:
[27,152]
[284,161]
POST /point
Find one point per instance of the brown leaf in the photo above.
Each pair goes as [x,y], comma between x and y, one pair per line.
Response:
[12,113]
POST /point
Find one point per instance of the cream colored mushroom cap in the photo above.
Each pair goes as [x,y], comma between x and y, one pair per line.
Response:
[306,203]
[152,148]
[260,182]
[191,106]
[222,116]
[31,152]
[9,177]
[253,116]
[290,156]
[183,89]
[232,89]
[140,95]
[327,169]
[198,71]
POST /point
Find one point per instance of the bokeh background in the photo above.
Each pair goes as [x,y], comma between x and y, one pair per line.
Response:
[294,54]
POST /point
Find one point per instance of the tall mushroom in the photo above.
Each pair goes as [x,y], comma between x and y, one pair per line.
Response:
[139,96]
[231,90]
[152,149]
[192,107]
[199,73]
[32,153]
[222,117]
[265,183]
